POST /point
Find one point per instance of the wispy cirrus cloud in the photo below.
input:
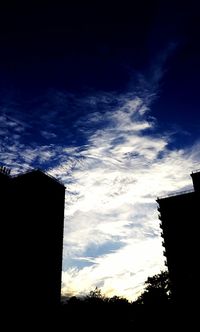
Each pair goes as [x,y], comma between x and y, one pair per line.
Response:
[114,164]
[110,199]
[119,272]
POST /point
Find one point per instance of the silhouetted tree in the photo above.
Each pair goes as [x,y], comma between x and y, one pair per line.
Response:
[118,300]
[96,293]
[95,297]
[157,290]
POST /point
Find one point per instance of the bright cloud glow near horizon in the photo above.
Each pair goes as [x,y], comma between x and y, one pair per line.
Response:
[112,236]
[112,227]
[112,110]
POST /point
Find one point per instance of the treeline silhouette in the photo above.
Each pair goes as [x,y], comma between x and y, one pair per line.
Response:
[154,309]
[95,310]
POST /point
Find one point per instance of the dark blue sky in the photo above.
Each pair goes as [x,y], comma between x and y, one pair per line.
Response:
[106,98]
[86,49]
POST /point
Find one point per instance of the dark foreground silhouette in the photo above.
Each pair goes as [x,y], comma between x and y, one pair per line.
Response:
[32,213]
[154,309]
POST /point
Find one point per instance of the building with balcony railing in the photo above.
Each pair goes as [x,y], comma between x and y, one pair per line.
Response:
[180,214]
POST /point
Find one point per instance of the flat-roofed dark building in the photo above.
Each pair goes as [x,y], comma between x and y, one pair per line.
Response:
[180,215]
[33,222]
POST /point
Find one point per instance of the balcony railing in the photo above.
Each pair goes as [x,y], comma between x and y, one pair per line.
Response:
[196,171]
[164,253]
[177,193]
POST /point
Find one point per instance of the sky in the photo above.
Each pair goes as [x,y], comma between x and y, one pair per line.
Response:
[106,99]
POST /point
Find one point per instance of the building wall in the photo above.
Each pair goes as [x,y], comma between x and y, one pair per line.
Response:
[5,235]
[179,223]
[36,202]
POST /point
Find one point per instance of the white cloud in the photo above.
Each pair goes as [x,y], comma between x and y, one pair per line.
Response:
[112,183]
[117,273]
[111,198]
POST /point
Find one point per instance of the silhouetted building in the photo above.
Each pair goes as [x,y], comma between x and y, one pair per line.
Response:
[180,215]
[32,221]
